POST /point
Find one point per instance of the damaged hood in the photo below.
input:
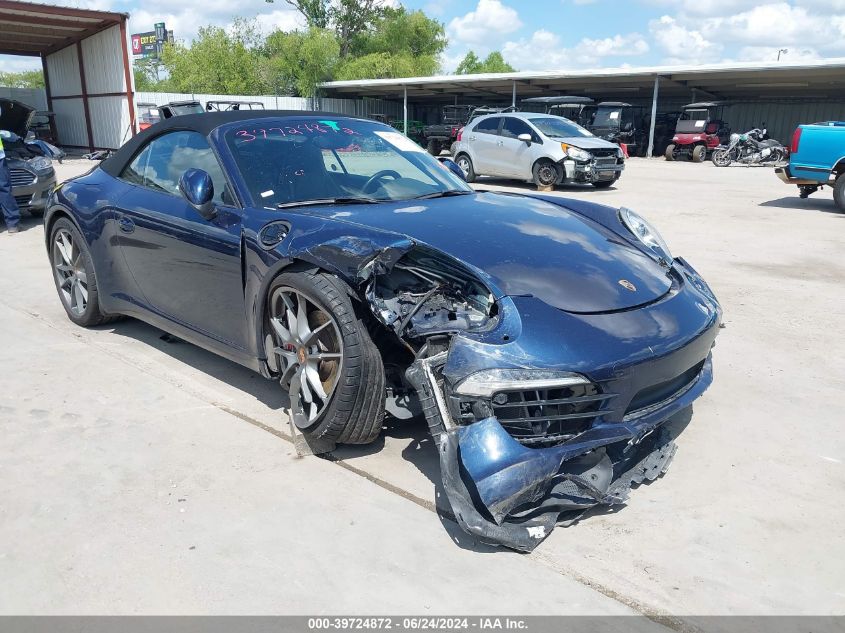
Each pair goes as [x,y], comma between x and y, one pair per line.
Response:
[526,247]
[15,116]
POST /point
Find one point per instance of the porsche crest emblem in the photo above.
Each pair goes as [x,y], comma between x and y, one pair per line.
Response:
[627,285]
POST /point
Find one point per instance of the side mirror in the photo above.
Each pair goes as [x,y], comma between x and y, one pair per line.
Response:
[198,189]
[525,138]
[452,166]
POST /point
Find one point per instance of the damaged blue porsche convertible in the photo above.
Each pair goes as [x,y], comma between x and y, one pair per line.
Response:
[547,342]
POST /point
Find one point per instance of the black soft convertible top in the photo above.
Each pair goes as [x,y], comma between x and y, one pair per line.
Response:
[203,123]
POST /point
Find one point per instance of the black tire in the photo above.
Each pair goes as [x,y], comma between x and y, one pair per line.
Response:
[433,147]
[721,158]
[839,192]
[604,184]
[546,173]
[91,315]
[699,154]
[465,163]
[355,411]
[670,152]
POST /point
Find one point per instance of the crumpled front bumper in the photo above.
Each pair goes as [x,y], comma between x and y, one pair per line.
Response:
[508,493]
[592,171]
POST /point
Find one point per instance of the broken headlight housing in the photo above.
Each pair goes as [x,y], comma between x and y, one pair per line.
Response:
[487,382]
[576,152]
[645,233]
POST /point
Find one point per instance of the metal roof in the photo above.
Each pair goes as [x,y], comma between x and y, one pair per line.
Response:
[823,79]
[29,28]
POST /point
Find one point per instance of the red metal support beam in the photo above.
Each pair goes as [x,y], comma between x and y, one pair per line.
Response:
[84,95]
[127,74]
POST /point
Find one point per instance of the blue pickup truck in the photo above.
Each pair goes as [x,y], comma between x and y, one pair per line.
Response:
[816,159]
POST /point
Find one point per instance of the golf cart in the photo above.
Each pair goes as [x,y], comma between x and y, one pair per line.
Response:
[699,131]
[620,123]
[226,106]
[441,135]
[577,109]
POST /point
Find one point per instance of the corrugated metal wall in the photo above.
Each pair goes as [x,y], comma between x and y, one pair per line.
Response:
[354,107]
[105,84]
[781,119]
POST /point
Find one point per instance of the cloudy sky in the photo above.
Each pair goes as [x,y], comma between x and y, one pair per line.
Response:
[559,34]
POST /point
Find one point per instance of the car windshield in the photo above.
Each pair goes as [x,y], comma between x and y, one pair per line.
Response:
[555,127]
[692,121]
[186,108]
[288,161]
[608,117]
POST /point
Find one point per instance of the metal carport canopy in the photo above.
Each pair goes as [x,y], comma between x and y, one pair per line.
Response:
[729,81]
[85,59]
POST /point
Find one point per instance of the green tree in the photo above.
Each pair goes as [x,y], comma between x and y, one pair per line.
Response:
[386,66]
[146,74]
[219,61]
[347,18]
[298,61]
[493,63]
[24,79]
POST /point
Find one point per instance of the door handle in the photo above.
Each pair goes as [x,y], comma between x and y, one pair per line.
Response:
[126,225]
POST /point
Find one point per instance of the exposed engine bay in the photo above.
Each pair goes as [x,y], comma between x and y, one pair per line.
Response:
[425,294]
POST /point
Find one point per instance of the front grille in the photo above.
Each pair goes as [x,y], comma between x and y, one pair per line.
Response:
[655,396]
[544,417]
[22,177]
[23,201]
[605,152]
[605,162]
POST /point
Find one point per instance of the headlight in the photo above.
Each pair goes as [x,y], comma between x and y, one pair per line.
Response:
[646,233]
[485,383]
[39,163]
[576,152]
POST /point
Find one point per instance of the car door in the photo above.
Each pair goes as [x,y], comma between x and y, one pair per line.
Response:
[515,156]
[482,139]
[188,268]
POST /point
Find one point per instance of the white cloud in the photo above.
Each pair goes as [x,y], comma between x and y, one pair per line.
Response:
[545,50]
[682,45]
[489,19]
[184,20]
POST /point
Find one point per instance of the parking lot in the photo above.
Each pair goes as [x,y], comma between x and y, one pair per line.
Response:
[139,474]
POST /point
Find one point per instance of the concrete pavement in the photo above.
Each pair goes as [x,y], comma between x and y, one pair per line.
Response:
[105,430]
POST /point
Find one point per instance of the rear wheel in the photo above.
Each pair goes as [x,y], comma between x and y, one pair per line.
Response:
[546,173]
[74,275]
[325,358]
[433,147]
[465,164]
[699,154]
[839,192]
[670,152]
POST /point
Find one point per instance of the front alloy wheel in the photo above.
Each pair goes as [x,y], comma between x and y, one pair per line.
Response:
[322,354]
[309,344]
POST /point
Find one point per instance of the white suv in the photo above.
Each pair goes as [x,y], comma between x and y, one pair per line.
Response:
[544,148]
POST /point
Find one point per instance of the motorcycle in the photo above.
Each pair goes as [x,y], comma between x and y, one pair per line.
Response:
[752,148]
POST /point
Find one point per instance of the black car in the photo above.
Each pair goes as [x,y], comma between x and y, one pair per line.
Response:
[33,176]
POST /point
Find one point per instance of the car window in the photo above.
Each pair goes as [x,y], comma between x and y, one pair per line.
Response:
[513,127]
[557,127]
[488,126]
[163,161]
[294,160]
